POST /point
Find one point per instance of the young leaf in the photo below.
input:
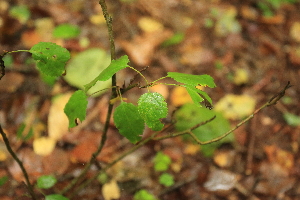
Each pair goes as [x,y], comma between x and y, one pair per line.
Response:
[198,96]
[161,162]
[3,180]
[193,80]
[55,197]
[194,95]
[143,195]
[51,58]
[129,122]
[66,31]
[46,181]
[152,107]
[114,67]
[76,107]
[291,119]
[166,179]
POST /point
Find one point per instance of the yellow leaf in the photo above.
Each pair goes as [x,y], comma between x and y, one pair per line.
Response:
[43,146]
[148,24]
[111,190]
[57,120]
[241,76]
[236,106]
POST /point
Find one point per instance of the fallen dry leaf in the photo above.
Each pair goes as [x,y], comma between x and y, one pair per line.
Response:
[141,49]
[180,96]
[43,146]
[56,163]
[221,181]
[111,190]
[11,82]
[235,106]
[148,24]
[58,122]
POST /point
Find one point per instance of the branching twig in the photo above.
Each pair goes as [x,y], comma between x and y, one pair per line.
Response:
[272,101]
[15,157]
[108,20]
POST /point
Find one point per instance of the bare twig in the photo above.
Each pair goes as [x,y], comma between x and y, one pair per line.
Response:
[15,157]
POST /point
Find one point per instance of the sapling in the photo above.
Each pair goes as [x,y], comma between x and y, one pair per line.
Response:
[129,119]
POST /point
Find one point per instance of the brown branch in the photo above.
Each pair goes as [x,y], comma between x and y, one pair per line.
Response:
[108,20]
[15,157]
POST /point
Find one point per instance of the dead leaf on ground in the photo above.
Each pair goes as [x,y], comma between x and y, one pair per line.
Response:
[58,122]
[221,181]
[11,82]
[141,48]
[180,96]
[56,163]
[111,190]
[43,146]
[235,106]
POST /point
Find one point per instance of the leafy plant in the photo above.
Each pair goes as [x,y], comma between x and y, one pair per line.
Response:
[151,108]
[268,6]
[161,161]
[166,179]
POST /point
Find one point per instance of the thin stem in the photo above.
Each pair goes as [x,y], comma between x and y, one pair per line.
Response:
[108,20]
[17,51]
[137,71]
[12,153]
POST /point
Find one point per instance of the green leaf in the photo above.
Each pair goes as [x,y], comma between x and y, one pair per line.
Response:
[199,96]
[189,115]
[152,107]
[291,119]
[21,12]
[166,179]
[55,197]
[175,39]
[86,66]
[143,195]
[76,107]
[50,58]
[20,133]
[129,122]
[46,181]
[3,180]
[106,74]
[193,80]
[161,162]
[66,31]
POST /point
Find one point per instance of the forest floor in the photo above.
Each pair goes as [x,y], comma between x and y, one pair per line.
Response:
[251,49]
